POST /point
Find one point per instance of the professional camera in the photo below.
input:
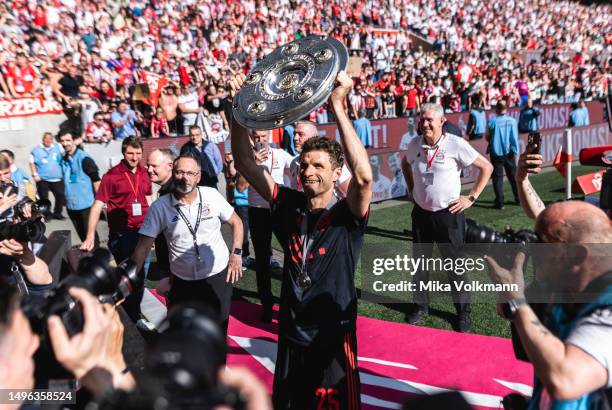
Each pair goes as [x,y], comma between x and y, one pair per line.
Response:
[489,237]
[182,367]
[94,274]
[31,230]
[38,209]
[8,189]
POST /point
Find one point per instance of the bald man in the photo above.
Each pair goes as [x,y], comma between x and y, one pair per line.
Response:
[305,130]
[571,351]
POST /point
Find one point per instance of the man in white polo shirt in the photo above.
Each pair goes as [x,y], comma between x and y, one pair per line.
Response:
[305,130]
[190,218]
[432,168]
[276,162]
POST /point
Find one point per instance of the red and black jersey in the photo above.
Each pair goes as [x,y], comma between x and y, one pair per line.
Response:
[327,307]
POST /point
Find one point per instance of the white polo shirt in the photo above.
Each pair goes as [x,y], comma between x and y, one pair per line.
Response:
[214,254]
[295,182]
[278,161]
[435,187]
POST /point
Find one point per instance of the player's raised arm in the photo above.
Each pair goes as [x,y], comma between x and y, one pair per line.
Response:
[360,188]
[258,177]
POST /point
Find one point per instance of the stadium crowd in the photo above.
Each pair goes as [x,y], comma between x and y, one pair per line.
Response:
[91,55]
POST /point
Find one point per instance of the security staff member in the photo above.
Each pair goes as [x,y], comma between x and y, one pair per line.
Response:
[190,218]
[47,172]
[528,118]
[81,182]
[276,162]
[432,168]
[503,148]
[477,123]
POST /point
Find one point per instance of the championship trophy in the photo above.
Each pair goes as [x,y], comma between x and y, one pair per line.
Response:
[290,83]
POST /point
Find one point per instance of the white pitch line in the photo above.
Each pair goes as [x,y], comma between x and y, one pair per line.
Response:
[386,362]
[264,351]
[524,389]
[373,401]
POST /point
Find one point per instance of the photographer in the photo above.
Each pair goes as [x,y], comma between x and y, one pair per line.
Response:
[24,269]
[93,356]
[571,351]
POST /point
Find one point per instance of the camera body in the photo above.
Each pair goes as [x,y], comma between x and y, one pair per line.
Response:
[96,275]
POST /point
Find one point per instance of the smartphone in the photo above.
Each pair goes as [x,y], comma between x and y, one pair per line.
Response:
[259,145]
[534,142]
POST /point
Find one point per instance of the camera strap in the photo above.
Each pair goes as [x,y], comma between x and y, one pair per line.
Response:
[18,278]
[192,230]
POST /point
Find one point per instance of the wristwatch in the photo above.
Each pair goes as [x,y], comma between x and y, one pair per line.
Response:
[510,308]
[472,198]
[237,251]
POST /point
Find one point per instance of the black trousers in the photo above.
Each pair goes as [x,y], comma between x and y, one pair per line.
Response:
[214,292]
[505,162]
[317,377]
[43,188]
[80,220]
[260,226]
[448,231]
[243,213]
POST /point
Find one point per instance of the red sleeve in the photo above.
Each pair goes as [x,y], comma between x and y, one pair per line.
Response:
[103,193]
[89,129]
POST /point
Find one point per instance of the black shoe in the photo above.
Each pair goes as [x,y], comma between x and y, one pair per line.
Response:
[59,217]
[266,315]
[416,315]
[499,206]
[464,324]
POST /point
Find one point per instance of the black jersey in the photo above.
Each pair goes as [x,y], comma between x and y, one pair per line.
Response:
[317,313]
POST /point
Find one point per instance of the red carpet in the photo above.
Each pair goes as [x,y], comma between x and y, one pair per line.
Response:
[397,360]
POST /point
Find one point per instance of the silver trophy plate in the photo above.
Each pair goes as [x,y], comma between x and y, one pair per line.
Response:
[290,83]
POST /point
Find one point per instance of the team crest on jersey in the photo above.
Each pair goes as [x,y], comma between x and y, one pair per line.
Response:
[205,210]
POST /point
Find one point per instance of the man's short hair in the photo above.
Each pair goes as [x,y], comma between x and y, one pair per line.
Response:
[188,155]
[166,153]
[133,142]
[333,149]
[437,108]
[501,106]
[62,133]
[4,162]
[195,127]
[9,301]
[8,153]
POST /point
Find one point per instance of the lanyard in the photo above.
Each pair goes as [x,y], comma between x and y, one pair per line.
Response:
[427,148]
[307,240]
[193,231]
[134,189]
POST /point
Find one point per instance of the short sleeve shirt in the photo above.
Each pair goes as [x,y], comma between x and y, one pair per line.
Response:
[593,334]
[163,217]
[278,161]
[436,185]
[120,189]
[329,306]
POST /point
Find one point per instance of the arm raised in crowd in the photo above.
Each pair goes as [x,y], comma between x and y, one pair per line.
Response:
[34,269]
[244,157]
[356,157]
[529,163]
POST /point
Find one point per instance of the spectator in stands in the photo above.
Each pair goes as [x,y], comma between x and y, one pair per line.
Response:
[208,154]
[579,116]
[189,106]
[21,77]
[98,130]
[81,182]
[47,172]
[364,128]
[70,84]
[159,125]
[569,348]
[528,117]
[503,149]
[124,121]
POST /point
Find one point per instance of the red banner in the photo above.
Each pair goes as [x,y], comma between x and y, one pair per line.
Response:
[25,107]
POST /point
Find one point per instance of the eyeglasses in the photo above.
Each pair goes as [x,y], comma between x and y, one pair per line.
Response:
[191,174]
